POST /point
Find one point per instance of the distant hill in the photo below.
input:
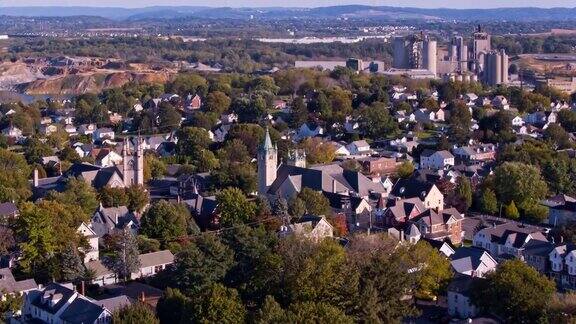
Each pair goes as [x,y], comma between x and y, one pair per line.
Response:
[350,11]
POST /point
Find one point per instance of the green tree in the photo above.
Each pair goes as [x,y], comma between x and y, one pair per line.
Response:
[488,202]
[515,292]
[219,304]
[135,313]
[511,211]
[77,192]
[296,207]
[299,113]
[460,121]
[202,263]
[14,176]
[166,221]
[191,140]
[154,168]
[464,193]
[316,203]
[217,102]
[233,207]
[124,259]
[435,270]
[138,198]
[520,183]
[377,122]
[174,307]
[70,264]
[113,197]
[405,170]
[169,118]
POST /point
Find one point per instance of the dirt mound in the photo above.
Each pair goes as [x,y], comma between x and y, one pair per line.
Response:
[89,83]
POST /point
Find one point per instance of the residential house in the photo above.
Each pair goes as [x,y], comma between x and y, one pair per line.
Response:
[87,129]
[9,285]
[425,116]
[536,254]
[459,301]
[228,118]
[404,144]
[8,210]
[397,213]
[359,148]
[105,157]
[436,159]
[477,152]
[500,102]
[507,239]
[563,266]
[340,149]
[414,188]
[402,116]
[107,221]
[103,133]
[91,253]
[472,261]
[150,265]
[12,132]
[48,129]
[562,213]
[60,303]
[309,130]
[443,247]
[440,225]
[193,103]
[312,227]
[379,165]
[517,121]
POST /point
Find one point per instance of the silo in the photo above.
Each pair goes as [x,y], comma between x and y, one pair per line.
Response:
[400,59]
[430,55]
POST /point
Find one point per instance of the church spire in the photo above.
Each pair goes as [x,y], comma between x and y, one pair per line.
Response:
[267,144]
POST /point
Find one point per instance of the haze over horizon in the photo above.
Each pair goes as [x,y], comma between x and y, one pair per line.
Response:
[453,4]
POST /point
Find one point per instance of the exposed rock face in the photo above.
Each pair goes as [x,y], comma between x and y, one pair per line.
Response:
[93,83]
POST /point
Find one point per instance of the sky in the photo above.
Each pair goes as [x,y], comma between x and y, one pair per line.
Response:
[466,4]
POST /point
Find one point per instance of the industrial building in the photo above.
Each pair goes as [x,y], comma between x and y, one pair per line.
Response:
[416,52]
[496,68]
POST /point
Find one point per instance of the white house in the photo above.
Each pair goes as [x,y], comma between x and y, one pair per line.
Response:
[313,227]
[103,133]
[359,148]
[508,238]
[472,261]
[92,253]
[436,159]
[517,121]
[309,131]
[60,304]
[500,102]
[12,132]
[459,302]
[150,264]
[87,129]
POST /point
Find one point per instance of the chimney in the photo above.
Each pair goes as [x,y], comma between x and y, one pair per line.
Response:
[35,178]
[82,288]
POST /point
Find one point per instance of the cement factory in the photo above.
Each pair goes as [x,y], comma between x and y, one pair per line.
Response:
[418,56]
